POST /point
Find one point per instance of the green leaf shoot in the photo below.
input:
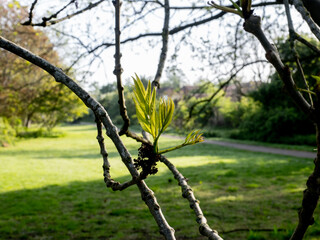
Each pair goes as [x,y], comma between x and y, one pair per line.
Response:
[155,119]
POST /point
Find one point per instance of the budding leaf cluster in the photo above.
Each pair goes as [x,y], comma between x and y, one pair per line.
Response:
[155,116]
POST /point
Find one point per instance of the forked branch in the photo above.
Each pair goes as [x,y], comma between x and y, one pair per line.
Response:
[51,20]
[311,194]
[292,39]
[111,130]
[253,25]
[306,16]
[114,185]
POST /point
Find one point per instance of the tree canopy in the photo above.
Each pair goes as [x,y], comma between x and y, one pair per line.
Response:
[28,95]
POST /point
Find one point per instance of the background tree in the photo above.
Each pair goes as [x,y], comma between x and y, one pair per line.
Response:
[27,94]
[277,119]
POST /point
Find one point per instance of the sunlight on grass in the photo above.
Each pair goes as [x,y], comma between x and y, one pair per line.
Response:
[229,198]
[59,182]
[36,163]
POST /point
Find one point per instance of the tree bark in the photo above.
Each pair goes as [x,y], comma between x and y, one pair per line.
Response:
[111,130]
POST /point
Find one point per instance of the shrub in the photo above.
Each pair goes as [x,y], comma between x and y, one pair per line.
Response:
[6,132]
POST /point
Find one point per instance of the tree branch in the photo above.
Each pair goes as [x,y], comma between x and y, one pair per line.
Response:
[46,21]
[306,16]
[187,193]
[29,21]
[106,165]
[111,130]
[253,25]
[307,43]
[221,86]
[118,70]
[292,35]
[164,50]
[311,194]
[171,32]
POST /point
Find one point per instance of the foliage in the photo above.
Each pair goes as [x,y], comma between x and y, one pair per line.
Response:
[109,101]
[36,133]
[309,61]
[275,117]
[235,112]
[28,94]
[204,115]
[155,118]
[6,132]
[236,10]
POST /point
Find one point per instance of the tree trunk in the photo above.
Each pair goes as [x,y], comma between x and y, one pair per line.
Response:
[310,196]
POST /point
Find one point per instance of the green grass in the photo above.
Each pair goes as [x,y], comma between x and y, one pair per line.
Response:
[52,188]
[265,144]
[224,135]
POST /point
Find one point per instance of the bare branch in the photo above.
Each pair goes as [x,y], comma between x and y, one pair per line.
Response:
[187,193]
[307,43]
[306,16]
[164,50]
[137,138]
[118,70]
[106,165]
[46,21]
[253,25]
[29,21]
[221,86]
[157,34]
[292,35]
[111,130]
[311,194]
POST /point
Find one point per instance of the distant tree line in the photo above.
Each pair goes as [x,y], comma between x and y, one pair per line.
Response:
[28,94]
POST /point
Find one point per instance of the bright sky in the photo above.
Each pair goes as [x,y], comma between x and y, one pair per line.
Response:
[138,57]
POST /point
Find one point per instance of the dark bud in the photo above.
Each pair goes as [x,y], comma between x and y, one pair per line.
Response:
[147,161]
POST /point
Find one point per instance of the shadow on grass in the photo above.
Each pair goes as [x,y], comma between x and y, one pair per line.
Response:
[241,194]
[83,153]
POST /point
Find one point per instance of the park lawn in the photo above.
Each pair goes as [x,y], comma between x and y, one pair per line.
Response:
[52,188]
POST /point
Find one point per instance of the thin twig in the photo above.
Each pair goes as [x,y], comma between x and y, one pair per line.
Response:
[292,35]
[118,70]
[114,185]
[307,43]
[29,21]
[164,49]
[306,16]
[187,193]
[46,21]
[221,86]
[158,34]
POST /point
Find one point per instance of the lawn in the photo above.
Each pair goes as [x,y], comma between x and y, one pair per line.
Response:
[52,188]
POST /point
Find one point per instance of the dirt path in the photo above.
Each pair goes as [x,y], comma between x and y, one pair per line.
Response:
[254,148]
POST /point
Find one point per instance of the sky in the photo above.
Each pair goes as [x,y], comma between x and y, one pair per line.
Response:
[137,57]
